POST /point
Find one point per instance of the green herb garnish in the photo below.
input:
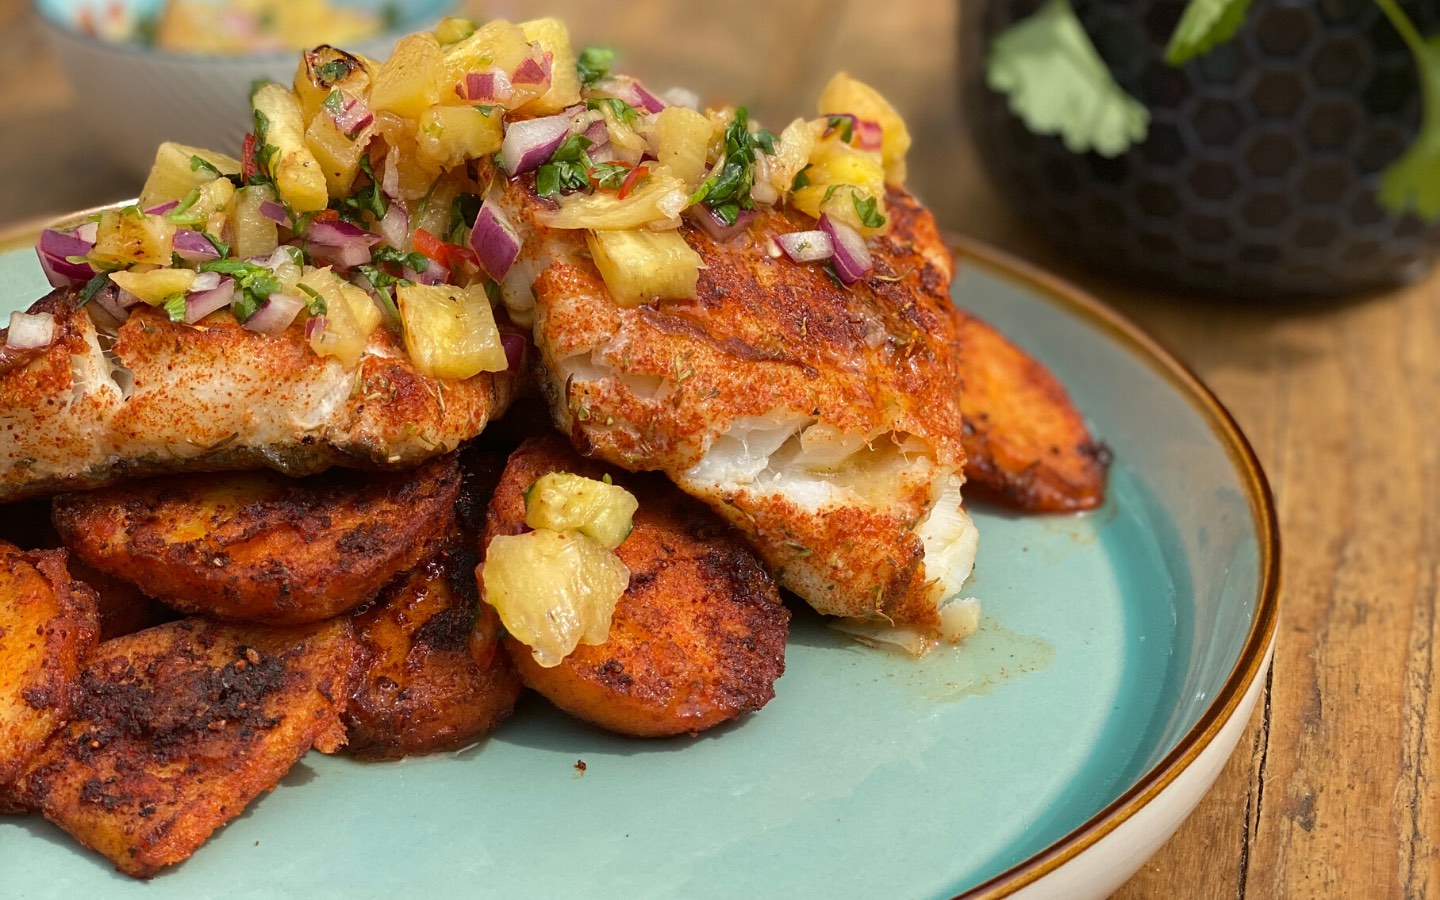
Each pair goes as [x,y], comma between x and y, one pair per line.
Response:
[316,304]
[255,283]
[414,260]
[728,190]
[92,287]
[368,199]
[868,210]
[843,125]
[593,64]
[619,109]
[567,170]
[175,307]
[609,175]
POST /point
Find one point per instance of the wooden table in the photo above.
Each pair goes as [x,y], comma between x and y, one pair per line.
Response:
[1335,788]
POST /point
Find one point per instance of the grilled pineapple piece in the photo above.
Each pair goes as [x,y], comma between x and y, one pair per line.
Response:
[126,237]
[155,286]
[450,331]
[448,136]
[258,547]
[554,38]
[178,727]
[644,266]
[435,677]
[409,82]
[564,501]
[325,69]
[174,174]
[48,625]
[844,94]
[698,637]
[281,125]
[253,233]
[682,139]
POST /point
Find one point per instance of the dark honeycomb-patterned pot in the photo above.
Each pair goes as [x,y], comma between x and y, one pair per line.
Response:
[1259,174]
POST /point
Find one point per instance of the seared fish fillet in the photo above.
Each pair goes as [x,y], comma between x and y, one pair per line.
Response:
[161,397]
[822,421]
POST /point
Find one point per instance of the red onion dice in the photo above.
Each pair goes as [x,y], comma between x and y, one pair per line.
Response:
[495,241]
[852,257]
[490,86]
[515,346]
[275,314]
[54,248]
[201,303]
[529,143]
[192,246]
[30,331]
[715,226]
[806,246]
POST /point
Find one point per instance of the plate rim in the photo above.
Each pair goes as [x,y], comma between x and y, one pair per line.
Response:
[1070,298]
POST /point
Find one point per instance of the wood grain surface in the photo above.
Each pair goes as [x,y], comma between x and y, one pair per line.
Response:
[1335,787]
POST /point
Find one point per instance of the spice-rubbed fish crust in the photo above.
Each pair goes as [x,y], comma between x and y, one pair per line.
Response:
[178,727]
[259,547]
[434,677]
[166,397]
[48,625]
[822,421]
[698,637]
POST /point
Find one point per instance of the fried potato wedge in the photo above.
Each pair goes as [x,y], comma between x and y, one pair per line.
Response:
[258,547]
[178,727]
[699,636]
[48,625]
[1025,443]
[435,677]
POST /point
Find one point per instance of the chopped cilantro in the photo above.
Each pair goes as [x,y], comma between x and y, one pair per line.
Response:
[1057,83]
[619,109]
[463,211]
[843,125]
[332,71]
[367,199]
[609,175]
[1204,24]
[728,191]
[593,64]
[415,260]
[382,282]
[316,304]
[92,287]
[184,213]
[265,153]
[220,246]
[868,210]
[494,293]
[802,179]
[765,140]
[256,283]
[199,163]
[175,307]
[567,170]
[334,101]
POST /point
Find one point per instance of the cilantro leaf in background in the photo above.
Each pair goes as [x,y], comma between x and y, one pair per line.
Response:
[593,64]
[1203,25]
[1413,180]
[1057,83]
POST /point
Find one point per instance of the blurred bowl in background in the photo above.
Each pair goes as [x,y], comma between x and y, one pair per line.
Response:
[132,96]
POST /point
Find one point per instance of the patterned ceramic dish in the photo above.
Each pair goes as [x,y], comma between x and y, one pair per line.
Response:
[1119,658]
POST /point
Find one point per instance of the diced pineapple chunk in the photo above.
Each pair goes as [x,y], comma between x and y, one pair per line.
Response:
[155,286]
[553,590]
[642,266]
[409,82]
[563,501]
[659,198]
[297,174]
[451,135]
[414,173]
[681,139]
[499,44]
[554,38]
[325,69]
[252,233]
[337,155]
[350,316]
[453,30]
[846,94]
[449,331]
[214,197]
[792,153]
[174,176]
[127,236]
[840,178]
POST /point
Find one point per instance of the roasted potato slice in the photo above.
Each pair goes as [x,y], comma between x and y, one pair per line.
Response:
[48,625]
[259,547]
[178,727]
[123,607]
[1025,444]
[435,677]
[697,639]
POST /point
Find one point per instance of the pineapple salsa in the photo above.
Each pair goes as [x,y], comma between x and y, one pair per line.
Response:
[366,198]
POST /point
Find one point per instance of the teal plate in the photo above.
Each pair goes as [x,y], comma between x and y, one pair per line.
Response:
[1114,648]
